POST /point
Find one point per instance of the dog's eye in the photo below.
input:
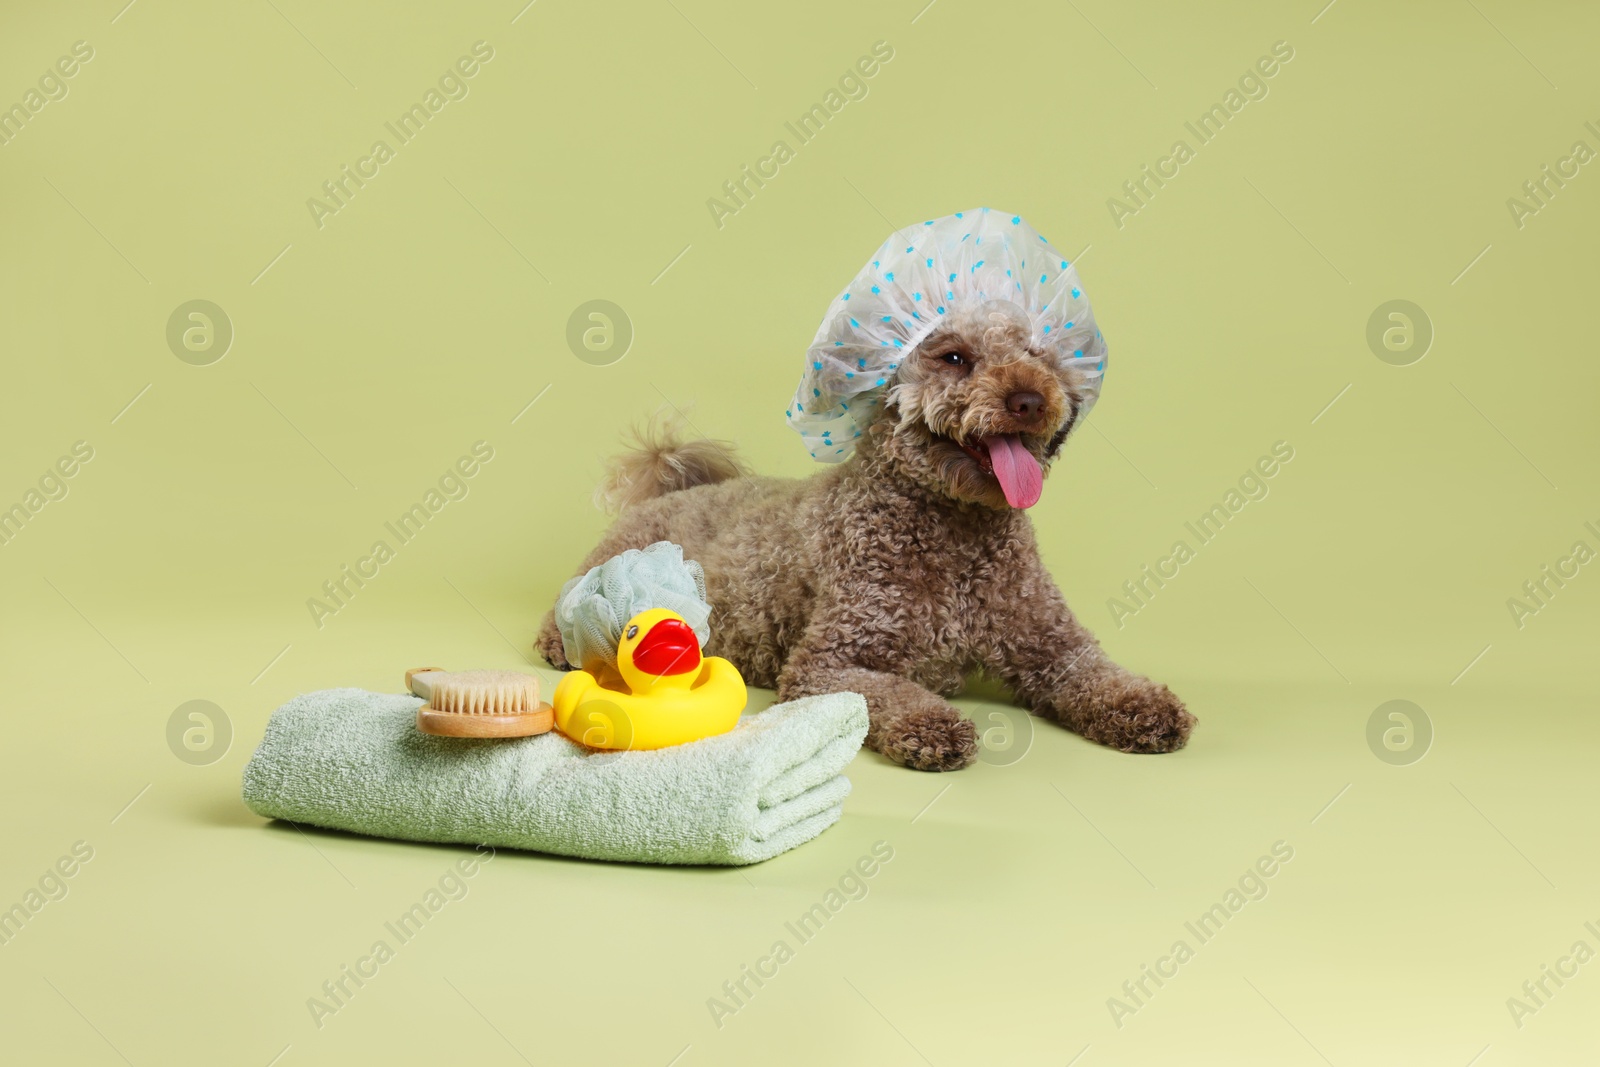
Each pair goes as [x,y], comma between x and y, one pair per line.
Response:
[955,359]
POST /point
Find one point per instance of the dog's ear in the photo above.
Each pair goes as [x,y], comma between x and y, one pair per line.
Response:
[887,413]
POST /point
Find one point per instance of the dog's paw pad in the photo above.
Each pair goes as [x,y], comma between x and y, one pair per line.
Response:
[935,740]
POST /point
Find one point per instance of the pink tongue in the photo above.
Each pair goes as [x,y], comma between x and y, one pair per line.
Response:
[1016,469]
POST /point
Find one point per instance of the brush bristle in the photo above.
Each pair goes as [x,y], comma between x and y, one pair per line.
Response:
[485,693]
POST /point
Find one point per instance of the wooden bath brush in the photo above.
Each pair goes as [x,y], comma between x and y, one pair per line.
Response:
[478,703]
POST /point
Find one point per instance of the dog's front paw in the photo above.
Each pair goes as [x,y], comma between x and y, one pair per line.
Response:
[932,739]
[549,644]
[1140,717]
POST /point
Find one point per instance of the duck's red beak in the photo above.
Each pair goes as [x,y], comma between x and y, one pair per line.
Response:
[668,647]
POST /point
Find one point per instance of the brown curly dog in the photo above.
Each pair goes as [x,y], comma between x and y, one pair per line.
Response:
[902,570]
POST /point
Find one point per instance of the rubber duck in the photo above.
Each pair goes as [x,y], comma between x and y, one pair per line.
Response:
[669,693]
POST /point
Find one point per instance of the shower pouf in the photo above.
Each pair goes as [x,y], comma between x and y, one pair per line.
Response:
[593,607]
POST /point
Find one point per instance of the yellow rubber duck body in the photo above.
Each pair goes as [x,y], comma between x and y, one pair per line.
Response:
[672,694]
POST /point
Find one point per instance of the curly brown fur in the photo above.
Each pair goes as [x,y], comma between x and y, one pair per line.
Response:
[901,571]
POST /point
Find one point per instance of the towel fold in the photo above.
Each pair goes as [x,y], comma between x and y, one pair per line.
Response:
[352,760]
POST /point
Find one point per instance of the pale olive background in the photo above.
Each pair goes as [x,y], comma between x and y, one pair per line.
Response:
[369,354]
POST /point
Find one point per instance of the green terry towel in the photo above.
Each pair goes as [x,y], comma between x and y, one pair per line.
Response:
[353,760]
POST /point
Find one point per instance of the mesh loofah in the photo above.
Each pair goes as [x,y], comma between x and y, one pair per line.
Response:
[898,298]
[594,607]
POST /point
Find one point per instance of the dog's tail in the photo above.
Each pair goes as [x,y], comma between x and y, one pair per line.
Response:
[661,462]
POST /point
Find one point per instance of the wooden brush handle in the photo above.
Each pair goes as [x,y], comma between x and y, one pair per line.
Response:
[417,682]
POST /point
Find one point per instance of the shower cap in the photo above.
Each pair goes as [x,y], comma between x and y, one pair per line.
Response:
[594,607]
[918,276]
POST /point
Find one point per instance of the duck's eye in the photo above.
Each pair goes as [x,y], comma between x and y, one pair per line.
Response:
[955,359]
[633,631]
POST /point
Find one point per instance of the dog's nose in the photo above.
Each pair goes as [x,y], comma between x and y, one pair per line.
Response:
[1024,405]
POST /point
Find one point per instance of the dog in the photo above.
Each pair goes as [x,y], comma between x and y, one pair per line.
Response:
[909,566]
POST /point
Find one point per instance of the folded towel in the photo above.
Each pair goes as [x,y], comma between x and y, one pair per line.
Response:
[352,760]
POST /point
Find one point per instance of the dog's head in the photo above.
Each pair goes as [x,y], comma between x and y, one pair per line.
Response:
[979,410]
[965,350]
